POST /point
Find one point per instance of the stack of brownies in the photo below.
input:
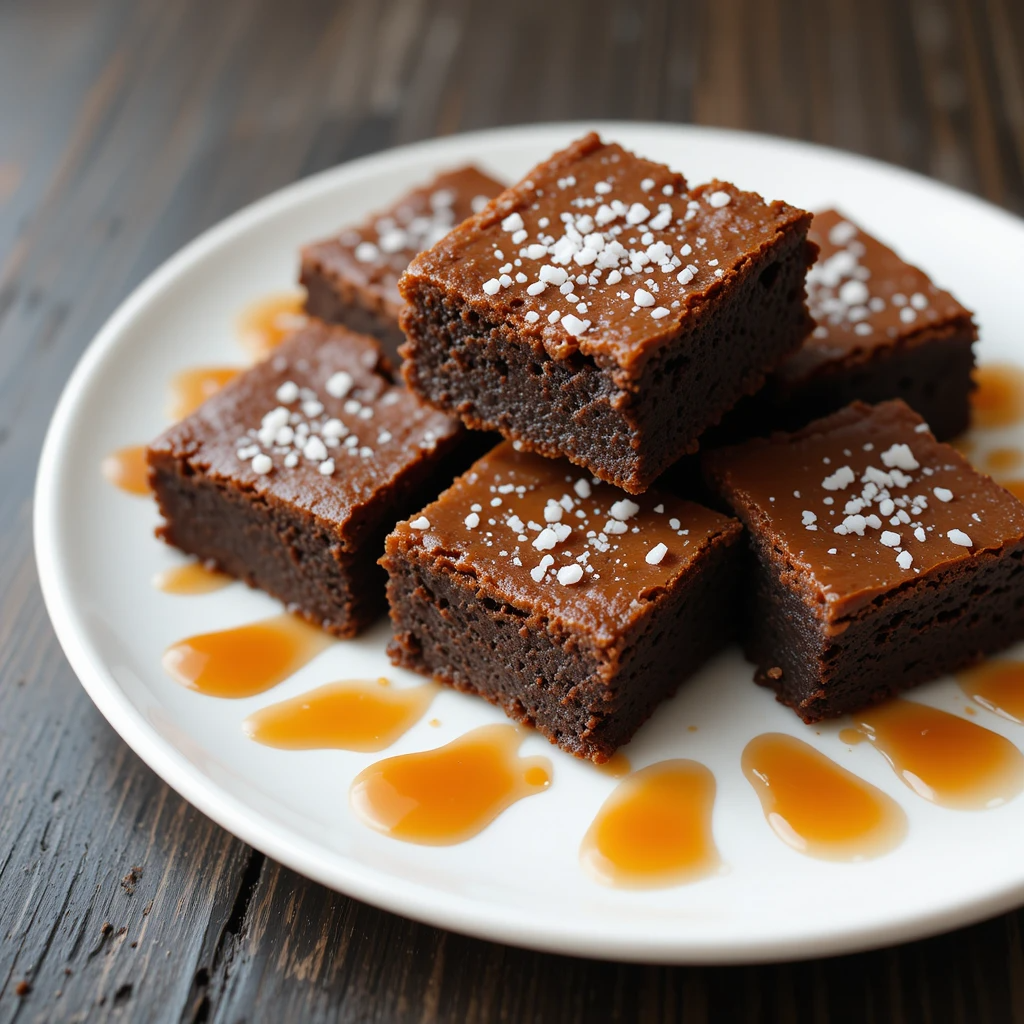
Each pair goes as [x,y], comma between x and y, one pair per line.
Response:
[606,318]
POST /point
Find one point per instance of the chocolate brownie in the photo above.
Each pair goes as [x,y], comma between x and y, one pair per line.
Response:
[352,279]
[883,558]
[558,598]
[291,476]
[884,330]
[602,310]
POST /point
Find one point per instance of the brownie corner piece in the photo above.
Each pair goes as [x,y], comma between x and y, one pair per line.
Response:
[291,476]
[883,330]
[883,559]
[604,311]
[352,277]
[570,606]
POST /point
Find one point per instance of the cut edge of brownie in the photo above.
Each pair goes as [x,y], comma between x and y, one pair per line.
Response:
[464,354]
[926,628]
[586,699]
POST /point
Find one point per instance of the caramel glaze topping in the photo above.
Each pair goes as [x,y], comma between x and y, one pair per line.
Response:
[601,252]
[550,538]
[904,504]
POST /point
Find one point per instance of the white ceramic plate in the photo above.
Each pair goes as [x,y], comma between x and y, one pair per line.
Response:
[519,881]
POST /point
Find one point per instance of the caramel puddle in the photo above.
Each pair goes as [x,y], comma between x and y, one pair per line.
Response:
[127,470]
[997,686]
[998,399]
[943,758]
[265,323]
[1003,460]
[350,715]
[617,766]
[655,829]
[246,660]
[190,578]
[190,388]
[447,795]
[1015,487]
[817,807]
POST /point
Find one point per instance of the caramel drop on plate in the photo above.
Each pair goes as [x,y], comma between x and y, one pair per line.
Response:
[447,795]
[943,758]
[189,579]
[246,660]
[1015,487]
[617,766]
[816,806]
[998,399]
[127,470]
[997,686]
[351,715]
[1003,460]
[655,829]
[190,388]
[264,324]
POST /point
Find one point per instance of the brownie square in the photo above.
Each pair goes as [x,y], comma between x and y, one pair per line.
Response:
[352,279]
[573,608]
[884,330]
[883,558]
[292,475]
[602,311]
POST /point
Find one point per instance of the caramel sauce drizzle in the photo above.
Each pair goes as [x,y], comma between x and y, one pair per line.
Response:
[265,323]
[944,759]
[350,715]
[655,829]
[190,388]
[448,795]
[127,470]
[816,806]
[1003,460]
[997,686]
[246,660]
[189,579]
[998,399]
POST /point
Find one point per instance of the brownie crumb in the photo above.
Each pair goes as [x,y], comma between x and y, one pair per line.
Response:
[131,879]
[23,988]
[106,928]
[148,908]
[774,673]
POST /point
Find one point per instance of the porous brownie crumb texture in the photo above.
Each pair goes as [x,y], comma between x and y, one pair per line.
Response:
[929,627]
[587,699]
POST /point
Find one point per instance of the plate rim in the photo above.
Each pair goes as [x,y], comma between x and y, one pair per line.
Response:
[344,874]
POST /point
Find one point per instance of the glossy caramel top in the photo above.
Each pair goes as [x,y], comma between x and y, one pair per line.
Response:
[317,425]
[863,501]
[543,536]
[601,251]
[862,296]
[373,255]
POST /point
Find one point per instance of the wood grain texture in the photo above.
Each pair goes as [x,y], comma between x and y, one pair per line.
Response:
[128,126]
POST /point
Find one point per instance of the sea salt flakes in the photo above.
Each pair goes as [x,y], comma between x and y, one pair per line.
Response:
[339,384]
[420,523]
[839,480]
[513,222]
[570,574]
[942,493]
[262,464]
[288,392]
[643,298]
[889,539]
[960,538]
[472,521]
[719,199]
[624,509]
[901,457]
[904,559]
[656,554]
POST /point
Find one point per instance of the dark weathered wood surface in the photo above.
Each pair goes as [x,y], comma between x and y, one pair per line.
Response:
[126,127]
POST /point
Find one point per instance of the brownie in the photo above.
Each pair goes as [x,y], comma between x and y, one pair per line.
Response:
[883,559]
[352,279]
[602,311]
[291,476]
[558,598]
[884,330]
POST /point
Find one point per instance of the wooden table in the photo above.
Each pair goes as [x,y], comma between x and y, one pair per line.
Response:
[128,126]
